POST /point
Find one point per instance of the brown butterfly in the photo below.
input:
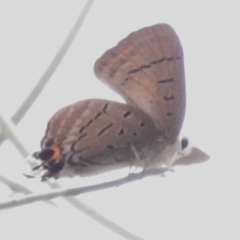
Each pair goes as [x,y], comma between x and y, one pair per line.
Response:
[147,70]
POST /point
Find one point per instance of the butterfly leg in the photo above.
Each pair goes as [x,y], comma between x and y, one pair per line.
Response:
[135,161]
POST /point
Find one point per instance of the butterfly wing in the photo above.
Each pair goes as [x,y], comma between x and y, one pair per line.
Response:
[99,132]
[146,69]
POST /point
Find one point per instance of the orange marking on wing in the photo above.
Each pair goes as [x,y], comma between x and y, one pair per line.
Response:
[57,152]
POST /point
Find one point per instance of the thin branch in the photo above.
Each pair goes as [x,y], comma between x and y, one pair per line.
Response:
[74,201]
[16,187]
[78,190]
[16,118]
[103,220]
[8,130]
[31,98]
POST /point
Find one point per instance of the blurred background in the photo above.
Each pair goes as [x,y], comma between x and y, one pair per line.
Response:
[194,202]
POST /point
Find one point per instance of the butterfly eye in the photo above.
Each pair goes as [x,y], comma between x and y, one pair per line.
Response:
[184,143]
[46,154]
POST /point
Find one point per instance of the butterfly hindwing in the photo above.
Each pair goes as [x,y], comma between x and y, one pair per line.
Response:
[93,128]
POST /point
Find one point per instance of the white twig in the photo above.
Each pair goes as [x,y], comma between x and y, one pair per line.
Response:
[62,192]
[103,220]
[22,110]
[16,187]
[76,203]
[72,200]
[9,131]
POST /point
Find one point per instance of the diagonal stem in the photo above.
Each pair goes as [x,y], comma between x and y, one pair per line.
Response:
[31,98]
[63,192]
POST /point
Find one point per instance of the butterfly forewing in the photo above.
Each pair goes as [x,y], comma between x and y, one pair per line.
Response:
[146,68]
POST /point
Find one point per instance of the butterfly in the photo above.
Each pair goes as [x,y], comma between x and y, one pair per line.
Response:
[95,135]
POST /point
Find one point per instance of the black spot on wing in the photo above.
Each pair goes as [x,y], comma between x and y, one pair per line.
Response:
[97,115]
[82,136]
[82,129]
[110,147]
[150,64]
[127,114]
[168,98]
[105,108]
[89,122]
[105,129]
[121,132]
[167,80]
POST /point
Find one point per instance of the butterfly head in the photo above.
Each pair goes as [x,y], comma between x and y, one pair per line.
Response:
[188,154]
[52,161]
